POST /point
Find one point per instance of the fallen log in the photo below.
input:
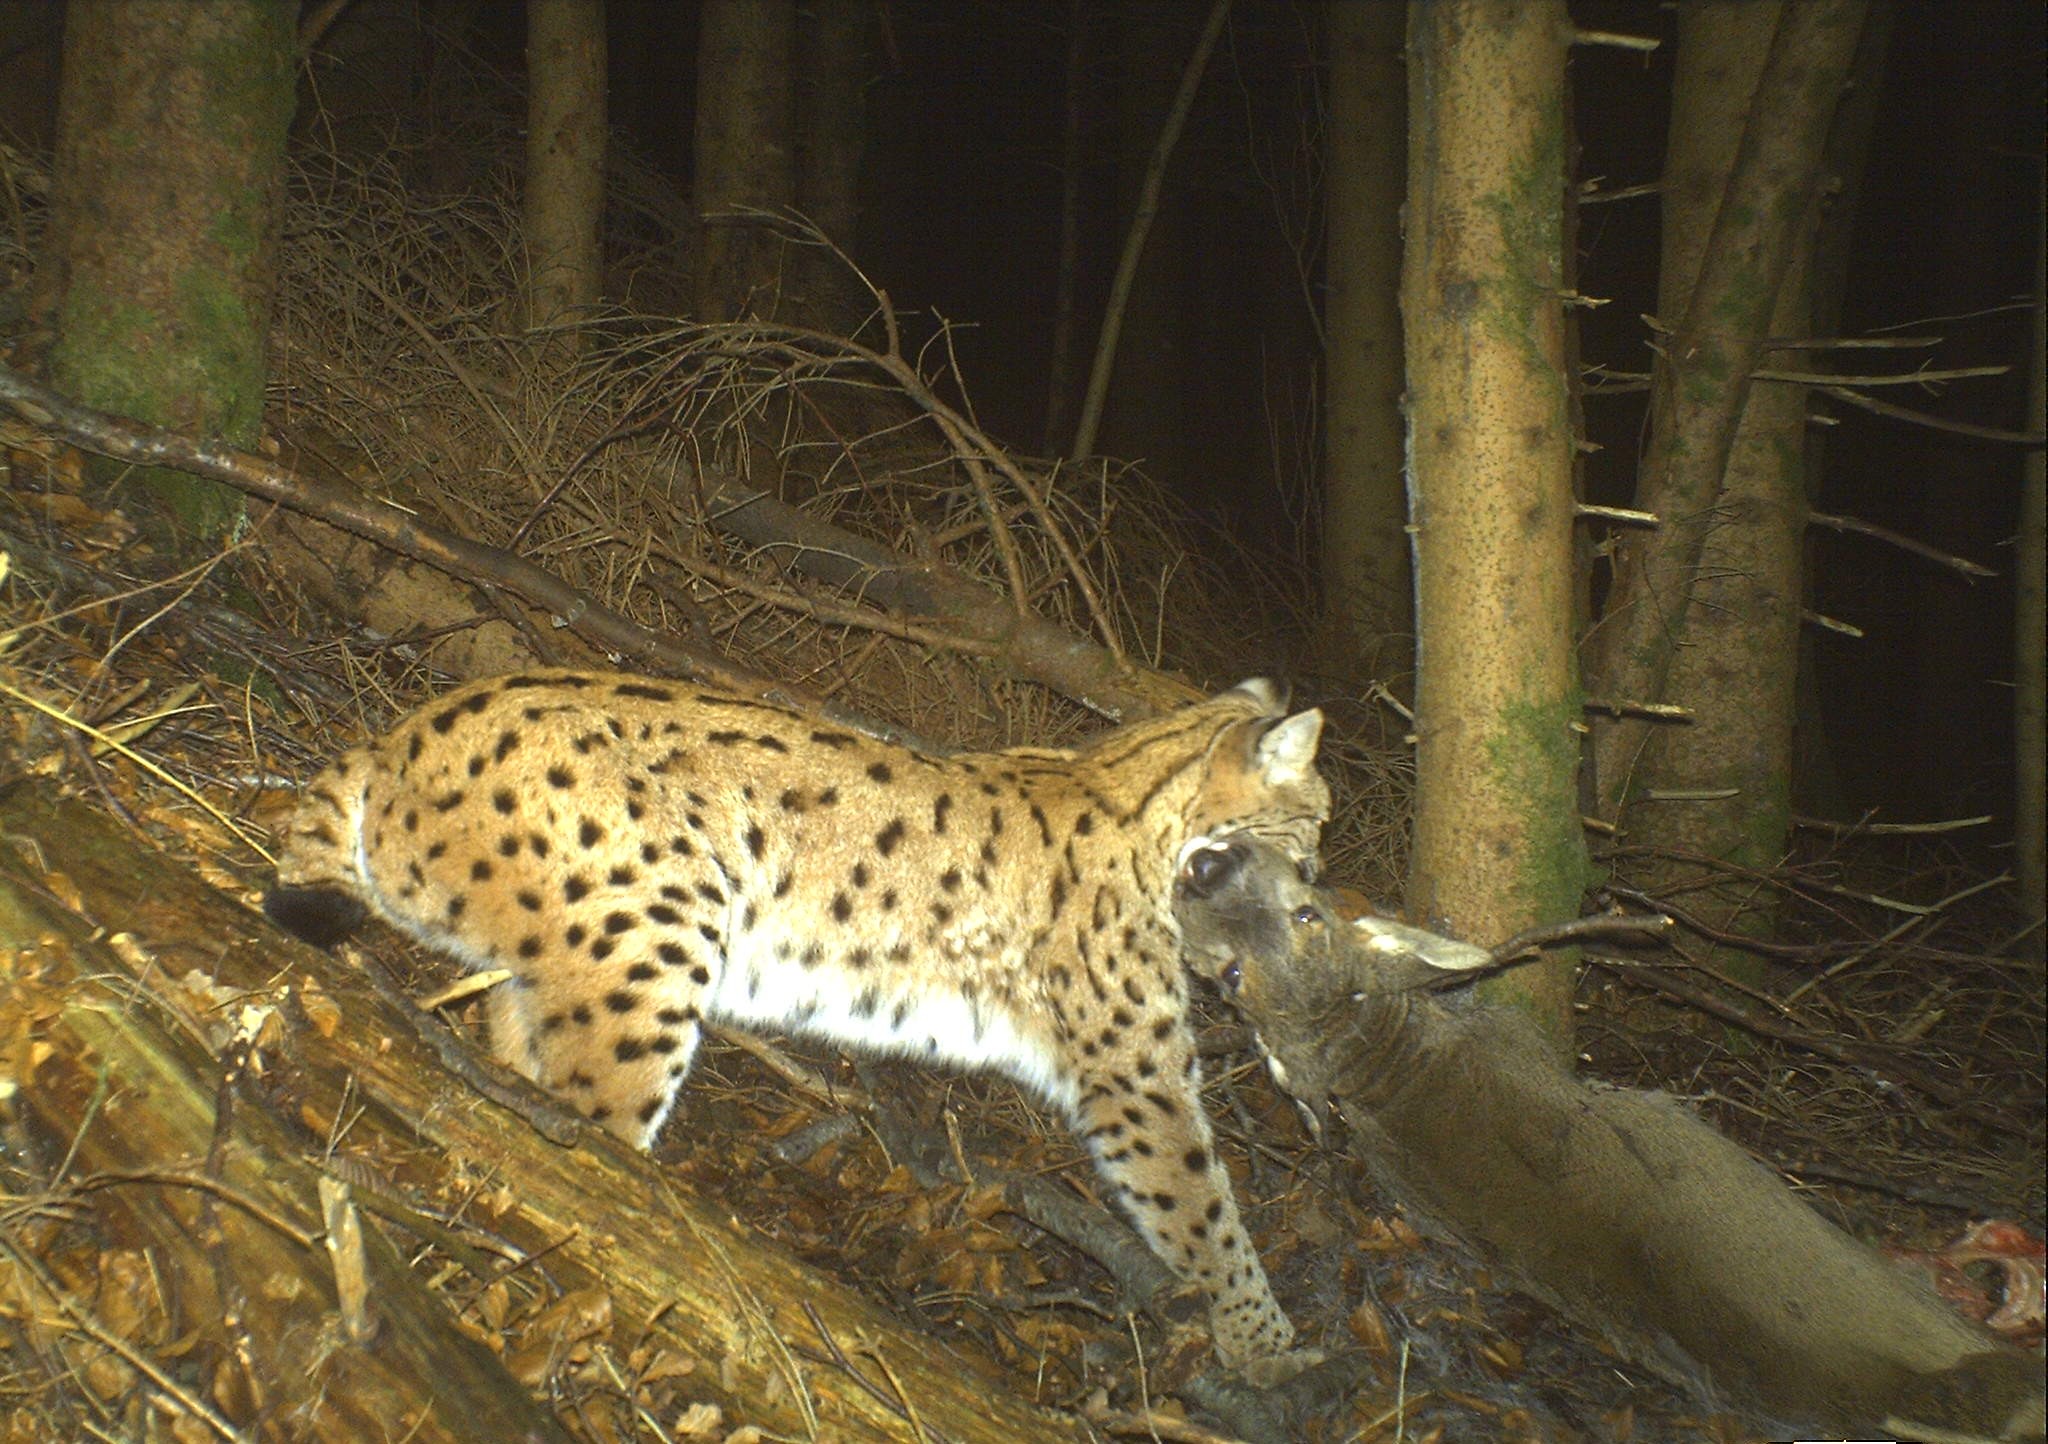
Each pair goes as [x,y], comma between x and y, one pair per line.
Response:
[1618,1207]
[198,1090]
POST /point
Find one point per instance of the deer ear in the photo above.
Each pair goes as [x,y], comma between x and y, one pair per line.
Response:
[1287,751]
[1271,695]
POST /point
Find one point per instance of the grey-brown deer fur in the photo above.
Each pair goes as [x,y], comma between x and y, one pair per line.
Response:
[1618,1207]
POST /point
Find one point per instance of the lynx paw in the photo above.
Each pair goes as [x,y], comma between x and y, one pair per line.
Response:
[1276,1369]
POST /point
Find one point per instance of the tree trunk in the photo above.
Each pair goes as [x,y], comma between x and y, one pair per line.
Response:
[1368,586]
[1719,790]
[745,156]
[1817,788]
[1703,368]
[162,252]
[835,63]
[2030,809]
[565,148]
[128,1106]
[1497,839]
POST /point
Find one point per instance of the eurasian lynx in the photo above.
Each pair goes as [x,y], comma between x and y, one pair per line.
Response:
[641,854]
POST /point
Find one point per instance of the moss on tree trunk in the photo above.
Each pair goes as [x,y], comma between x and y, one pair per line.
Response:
[170,153]
[1497,839]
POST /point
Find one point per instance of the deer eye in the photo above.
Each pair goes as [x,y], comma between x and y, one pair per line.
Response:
[1232,977]
[1305,916]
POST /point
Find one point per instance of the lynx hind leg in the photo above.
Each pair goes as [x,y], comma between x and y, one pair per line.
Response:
[619,1058]
[1152,1141]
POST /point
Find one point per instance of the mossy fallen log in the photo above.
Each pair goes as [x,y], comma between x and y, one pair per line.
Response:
[1619,1207]
[205,1075]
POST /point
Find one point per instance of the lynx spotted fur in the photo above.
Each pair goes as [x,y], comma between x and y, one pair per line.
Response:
[643,854]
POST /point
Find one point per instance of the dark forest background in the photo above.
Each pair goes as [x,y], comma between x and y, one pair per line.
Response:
[1216,394]
[961,196]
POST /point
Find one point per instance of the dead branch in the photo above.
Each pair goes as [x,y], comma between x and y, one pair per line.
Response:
[1904,543]
[1888,1062]
[1027,645]
[1616,40]
[1865,827]
[389,526]
[1936,423]
[1141,226]
[1903,378]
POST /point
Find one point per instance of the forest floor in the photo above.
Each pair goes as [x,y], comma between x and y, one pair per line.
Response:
[221,681]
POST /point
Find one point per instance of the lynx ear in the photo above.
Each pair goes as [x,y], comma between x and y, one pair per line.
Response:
[1287,751]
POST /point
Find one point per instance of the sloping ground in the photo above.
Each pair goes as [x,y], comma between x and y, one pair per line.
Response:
[902,1191]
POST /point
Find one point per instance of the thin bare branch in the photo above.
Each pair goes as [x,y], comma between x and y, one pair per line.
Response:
[1904,543]
[1908,378]
[1936,423]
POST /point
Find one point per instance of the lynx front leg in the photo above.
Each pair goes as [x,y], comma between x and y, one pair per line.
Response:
[1152,1142]
[618,1055]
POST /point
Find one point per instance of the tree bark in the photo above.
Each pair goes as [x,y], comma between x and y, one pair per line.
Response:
[1736,656]
[118,1057]
[1702,372]
[170,151]
[1497,841]
[156,1136]
[1368,584]
[565,150]
[745,157]
[2030,708]
[835,63]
